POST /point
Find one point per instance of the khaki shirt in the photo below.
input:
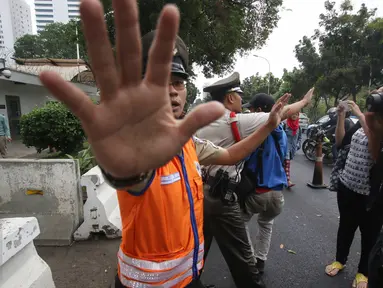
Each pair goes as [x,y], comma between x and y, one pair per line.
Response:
[206,150]
[220,133]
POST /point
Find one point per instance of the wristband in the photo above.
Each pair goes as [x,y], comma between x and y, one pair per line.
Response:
[123,184]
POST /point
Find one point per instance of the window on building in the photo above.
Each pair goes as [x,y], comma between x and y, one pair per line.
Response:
[43,5]
[44,21]
[44,10]
[43,16]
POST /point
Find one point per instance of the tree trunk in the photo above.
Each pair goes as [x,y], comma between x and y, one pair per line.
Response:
[353,92]
[336,100]
[337,96]
[326,102]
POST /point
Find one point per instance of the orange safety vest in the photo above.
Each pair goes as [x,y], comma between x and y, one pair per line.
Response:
[162,227]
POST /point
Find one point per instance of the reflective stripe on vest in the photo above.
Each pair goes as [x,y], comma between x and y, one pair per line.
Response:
[160,271]
[169,284]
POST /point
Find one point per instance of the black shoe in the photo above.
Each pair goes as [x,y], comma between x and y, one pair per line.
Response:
[209,286]
[260,265]
[259,282]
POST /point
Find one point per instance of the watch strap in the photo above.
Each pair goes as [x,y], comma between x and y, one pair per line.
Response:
[123,183]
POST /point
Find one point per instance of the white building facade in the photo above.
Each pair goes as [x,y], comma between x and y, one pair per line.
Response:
[50,11]
[15,22]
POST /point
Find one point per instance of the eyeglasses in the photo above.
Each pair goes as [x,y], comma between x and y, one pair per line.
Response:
[178,85]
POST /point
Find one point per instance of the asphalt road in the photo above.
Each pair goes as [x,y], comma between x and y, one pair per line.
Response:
[308,226]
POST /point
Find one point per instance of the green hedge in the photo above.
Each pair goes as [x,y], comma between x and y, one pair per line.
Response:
[52,125]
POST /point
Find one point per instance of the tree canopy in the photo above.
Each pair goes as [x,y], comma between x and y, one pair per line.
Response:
[214,31]
[258,84]
[57,40]
[349,56]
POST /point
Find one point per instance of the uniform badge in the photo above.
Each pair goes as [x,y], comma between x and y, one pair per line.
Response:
[198,168]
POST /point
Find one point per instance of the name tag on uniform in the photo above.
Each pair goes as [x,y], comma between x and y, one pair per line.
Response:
[169,179]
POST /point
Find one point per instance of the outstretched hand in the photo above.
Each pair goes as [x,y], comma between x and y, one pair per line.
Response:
[133,129]
[277,113]
[309,96]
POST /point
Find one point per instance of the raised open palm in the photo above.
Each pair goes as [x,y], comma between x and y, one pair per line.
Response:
[133,129]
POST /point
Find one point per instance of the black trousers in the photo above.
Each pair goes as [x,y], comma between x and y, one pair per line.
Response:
[375,265]
[353,214]
[194,284]
[225,223]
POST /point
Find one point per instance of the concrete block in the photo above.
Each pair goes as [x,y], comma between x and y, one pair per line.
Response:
[101,209]
[46,189]
[20,265]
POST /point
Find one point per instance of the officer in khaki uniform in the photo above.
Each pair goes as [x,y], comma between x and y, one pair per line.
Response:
[224,219]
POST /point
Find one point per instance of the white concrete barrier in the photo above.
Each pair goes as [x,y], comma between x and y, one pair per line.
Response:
[20,265]
[101,210]
[46,189]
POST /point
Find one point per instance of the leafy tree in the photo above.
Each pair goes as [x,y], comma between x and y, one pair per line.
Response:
[258,84]
[213,30]
[52,125]
[295,82]
[207,97]
[57,40]
[192,94]
[29,46]
[349,55]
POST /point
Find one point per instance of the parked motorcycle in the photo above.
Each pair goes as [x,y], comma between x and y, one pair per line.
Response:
[309,145]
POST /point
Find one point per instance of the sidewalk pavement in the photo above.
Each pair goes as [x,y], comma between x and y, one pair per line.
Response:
[16,149]
[90,263]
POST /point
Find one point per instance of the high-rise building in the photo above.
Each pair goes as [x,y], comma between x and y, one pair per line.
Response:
[50,11]
[15,22]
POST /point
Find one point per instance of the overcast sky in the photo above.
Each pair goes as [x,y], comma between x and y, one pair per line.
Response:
[279,49]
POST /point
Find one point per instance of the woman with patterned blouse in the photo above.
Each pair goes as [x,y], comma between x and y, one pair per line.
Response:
[354,188]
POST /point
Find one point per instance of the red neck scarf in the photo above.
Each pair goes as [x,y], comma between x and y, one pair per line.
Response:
[293,125]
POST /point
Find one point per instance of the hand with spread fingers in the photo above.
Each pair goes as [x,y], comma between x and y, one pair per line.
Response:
[277,112]
[133,129]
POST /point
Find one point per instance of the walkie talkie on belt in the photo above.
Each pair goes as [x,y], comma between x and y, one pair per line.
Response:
[221,186]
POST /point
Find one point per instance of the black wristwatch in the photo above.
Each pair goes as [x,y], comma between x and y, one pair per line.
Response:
[123,184]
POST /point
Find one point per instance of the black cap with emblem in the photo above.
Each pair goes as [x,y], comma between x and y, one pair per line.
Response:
[180,54]
[261,100]
[224,86]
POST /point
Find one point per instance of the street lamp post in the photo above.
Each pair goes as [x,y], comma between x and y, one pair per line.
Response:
[3,70]
[268,62]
